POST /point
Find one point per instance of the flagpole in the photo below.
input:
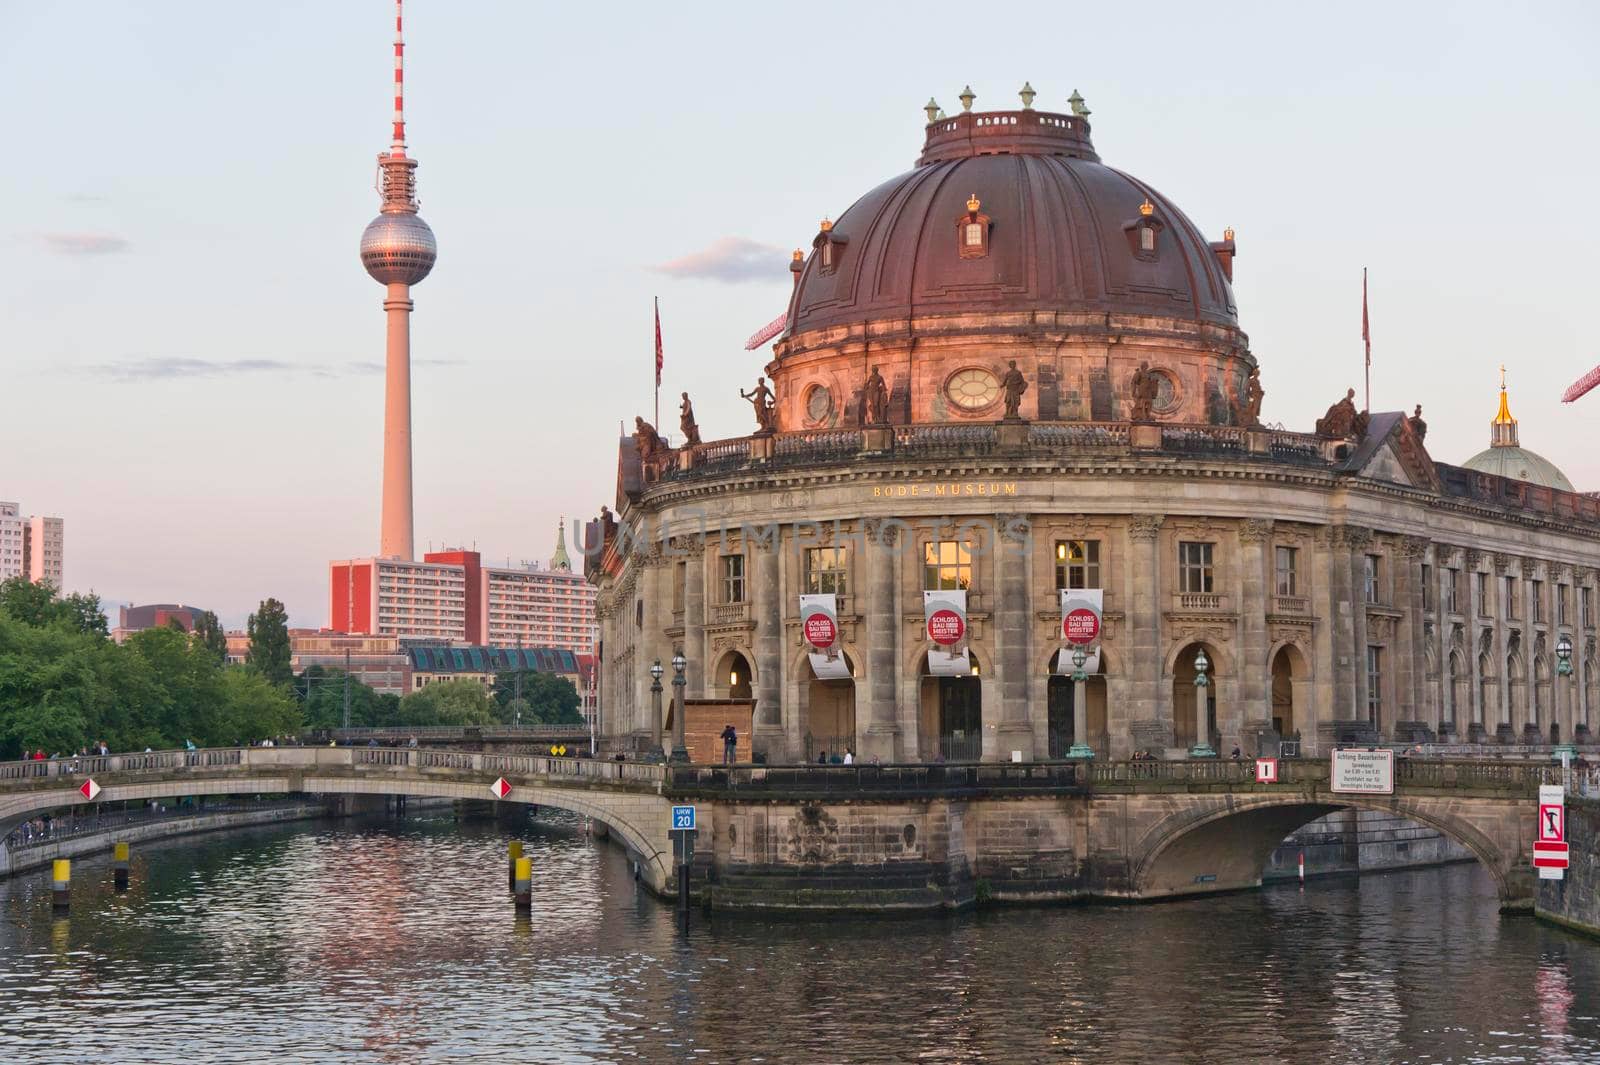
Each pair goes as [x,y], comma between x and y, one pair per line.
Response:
[658,363]
[1366,337]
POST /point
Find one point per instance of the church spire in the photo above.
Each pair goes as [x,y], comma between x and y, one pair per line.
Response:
[1503,430]
[559,561]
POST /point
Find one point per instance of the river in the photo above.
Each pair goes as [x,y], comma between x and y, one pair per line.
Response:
[397,942]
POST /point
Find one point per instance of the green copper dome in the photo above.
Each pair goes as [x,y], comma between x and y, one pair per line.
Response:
[1506,457]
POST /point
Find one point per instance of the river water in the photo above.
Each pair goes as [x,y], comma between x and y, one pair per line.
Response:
[397,942]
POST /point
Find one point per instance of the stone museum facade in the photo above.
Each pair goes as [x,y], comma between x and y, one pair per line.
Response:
[1015,370]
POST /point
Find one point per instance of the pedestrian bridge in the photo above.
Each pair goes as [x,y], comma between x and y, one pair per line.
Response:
[625,797]
[1139,830]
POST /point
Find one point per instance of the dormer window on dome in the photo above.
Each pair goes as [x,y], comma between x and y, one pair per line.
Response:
[830,246]
[972,231]
[1144,233]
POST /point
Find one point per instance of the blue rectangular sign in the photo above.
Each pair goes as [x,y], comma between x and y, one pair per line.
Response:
[683,818]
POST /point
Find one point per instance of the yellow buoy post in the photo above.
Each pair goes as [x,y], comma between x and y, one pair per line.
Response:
[513,852]
[119,866]
[524,885]
[61,884]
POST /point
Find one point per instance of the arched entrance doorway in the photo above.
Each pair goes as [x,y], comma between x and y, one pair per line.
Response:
[732,677]
[1183,696]
[830,714]
[950,716]
[1061,709]
[1290,690]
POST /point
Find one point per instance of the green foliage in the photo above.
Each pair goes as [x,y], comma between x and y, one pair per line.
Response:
[37,604]
[64,685]
[321,692]
[544,699]
[450,702]
[269,642]
[209,633]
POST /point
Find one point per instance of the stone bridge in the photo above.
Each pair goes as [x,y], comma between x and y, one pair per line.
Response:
[625,797]
[879,837]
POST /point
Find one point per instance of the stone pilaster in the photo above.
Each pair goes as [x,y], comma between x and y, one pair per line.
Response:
[1411,667]
[1343,607]
[875,700]
[1151,715]
[1255,672]
[1499,722]
[694,615]
[1357,541]
[1013,629]
[767,736]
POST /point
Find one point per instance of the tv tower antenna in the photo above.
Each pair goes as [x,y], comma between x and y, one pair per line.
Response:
[398,250]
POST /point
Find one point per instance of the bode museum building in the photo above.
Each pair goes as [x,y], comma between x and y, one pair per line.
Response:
[1012,372]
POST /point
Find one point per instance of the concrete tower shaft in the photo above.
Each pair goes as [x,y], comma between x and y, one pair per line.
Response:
[398,250]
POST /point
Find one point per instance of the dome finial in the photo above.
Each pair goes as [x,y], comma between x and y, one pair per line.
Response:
[1146,209]
[973,203]
[931,108]
[1027,95]
[1503,430]
[1077,105]
[966,98]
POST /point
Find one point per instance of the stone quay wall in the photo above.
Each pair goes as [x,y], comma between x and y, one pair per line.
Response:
[1362,841]
[1574,902]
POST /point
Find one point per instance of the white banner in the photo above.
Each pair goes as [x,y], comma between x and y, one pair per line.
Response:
[1082,612]
[943,663]
[819,625]
[945,616]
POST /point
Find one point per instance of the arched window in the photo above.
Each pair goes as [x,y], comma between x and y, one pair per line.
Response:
[972,231]
[1144,233]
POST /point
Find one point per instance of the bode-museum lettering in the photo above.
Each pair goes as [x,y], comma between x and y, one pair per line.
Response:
[941,488]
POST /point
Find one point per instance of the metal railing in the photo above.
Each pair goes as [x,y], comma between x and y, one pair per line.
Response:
[43,829]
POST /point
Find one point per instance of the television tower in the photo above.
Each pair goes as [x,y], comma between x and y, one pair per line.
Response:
[398,250]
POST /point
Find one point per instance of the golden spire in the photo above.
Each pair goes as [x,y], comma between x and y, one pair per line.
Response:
[1504,417]
[1503,430]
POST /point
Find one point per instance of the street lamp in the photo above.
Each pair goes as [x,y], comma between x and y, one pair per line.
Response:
[1564,670]
[1202,726]
[1080,707]
[680,750]
[655,708]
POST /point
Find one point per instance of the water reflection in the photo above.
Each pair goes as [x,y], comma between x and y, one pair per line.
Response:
[398,943]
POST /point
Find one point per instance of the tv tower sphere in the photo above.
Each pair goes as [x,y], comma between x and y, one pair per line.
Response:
[398,248]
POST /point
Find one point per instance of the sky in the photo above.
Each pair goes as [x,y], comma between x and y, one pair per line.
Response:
[190,351]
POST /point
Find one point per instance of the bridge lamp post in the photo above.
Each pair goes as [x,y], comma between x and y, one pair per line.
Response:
[680,750]
[655,705]
[1202,726]
[1564,671]
[1080,707]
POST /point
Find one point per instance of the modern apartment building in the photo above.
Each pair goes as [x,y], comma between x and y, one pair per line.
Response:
[31,547]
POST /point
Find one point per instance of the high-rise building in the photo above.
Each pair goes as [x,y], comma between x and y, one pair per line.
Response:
[398,250]
[452,596]
[31,547]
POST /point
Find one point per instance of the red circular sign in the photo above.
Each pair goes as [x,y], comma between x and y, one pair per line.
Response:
[821,631]
[946,627]
[1081,625]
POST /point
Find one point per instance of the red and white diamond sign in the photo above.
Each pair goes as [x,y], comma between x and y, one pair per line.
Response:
[500,788]
[89,789]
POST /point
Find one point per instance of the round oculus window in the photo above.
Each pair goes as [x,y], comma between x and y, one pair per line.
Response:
[972,389]
[819,403]
[1166,392]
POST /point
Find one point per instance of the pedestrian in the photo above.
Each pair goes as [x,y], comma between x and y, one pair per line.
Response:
[412,743]
[822,759]
[730,744]
[849,756]
[1235,753]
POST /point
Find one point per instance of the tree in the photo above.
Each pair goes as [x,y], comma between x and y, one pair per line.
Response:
[269,642]
[254,708]
[209,634]
[82,613]
[37,604]
[321,691]
[450,702]
[553,698]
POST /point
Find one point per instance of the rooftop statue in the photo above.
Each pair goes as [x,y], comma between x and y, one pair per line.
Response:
[1014,384]
[762,400]
[1253,394]
[647,440]
[686,423]
[875,397]
[1343,420]
[1418,426]
[1144,387]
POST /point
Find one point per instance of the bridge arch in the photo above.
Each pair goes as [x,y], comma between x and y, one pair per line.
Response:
[1223,842]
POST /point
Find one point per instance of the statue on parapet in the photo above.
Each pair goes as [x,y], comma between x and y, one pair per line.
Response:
[1014,385]
[875,400]
[765,405]
[648,441]
[608,525]
[686,422]
[1144,387]
[1253,394]
[1418,426]
[1343,420]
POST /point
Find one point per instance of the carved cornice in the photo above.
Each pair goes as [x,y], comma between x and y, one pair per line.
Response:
[1144,528]
[1254,531]
[1559,571]
[1530,568]
[1354,537]
[1502,561]
[1413,547]
[1472,558]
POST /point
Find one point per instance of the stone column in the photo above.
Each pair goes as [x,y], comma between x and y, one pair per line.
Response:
[1475,712]
[1358,540]
[1317,730]
[655,582]
[1443,701]
[1411,668]
[1343,606]
[875,699]
[1013,627]
[1151,718]
[767,603]
[1500,724]
[694,615]
[1255,672]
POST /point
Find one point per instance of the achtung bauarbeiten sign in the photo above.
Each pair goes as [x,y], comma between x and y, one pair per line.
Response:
[1362,771]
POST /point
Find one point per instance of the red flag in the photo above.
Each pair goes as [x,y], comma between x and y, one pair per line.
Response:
[1366,333]
[659,358]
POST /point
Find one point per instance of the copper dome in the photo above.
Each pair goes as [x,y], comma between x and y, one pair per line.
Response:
[1062,235]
